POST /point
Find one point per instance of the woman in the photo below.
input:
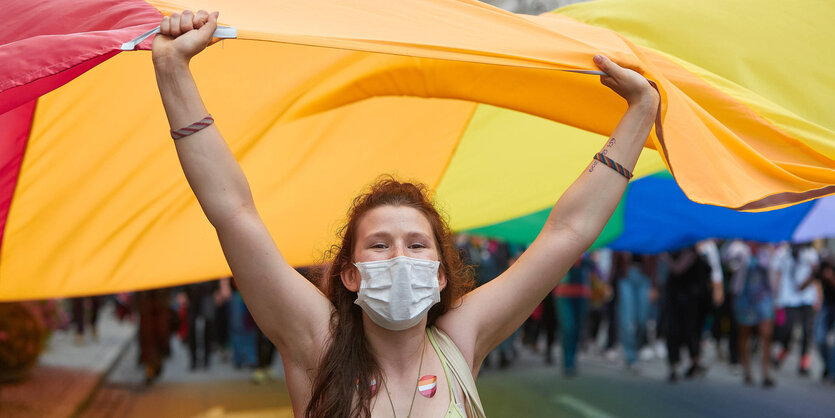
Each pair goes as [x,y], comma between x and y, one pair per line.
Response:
[361,344]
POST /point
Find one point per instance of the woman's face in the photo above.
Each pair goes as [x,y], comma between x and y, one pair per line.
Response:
[391,231]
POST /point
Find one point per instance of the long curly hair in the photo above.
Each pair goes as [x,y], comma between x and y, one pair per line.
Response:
[342,384]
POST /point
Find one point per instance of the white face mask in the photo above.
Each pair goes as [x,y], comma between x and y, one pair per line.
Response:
[397,293]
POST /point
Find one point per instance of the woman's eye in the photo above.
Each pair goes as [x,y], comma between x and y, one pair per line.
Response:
[379,245]
[417,245]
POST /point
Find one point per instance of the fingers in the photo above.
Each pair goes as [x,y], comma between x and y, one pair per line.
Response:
[186,21]
[200,19]
[175,25]
[165,26]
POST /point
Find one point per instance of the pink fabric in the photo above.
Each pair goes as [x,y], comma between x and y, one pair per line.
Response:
[47,39]
[16,96]
[16,124]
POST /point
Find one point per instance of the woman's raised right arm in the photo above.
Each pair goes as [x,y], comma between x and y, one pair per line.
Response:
[290,310]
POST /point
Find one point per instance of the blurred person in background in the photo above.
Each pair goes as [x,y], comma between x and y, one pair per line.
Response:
[792,267]
[201,306]
[155,327]
[686,301]
[633,303]
[603,282]
[710,251]
[241,331]
[222,297]
[124,306]
[531,329]
[610,313]
[573,294]
[85,311]
[807,262]
[601,294]
[824,280]
[507,349]
[753,304]
[726,325]
[659,311]
[490,259]
[266,351]
[549,325]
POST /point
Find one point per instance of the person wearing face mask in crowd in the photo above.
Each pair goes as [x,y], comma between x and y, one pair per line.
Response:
[392,329]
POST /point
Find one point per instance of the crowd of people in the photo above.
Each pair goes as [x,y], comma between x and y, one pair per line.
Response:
[746,297]
[205,317]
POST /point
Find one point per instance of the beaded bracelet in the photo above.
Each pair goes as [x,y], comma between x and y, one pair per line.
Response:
[194,127]
[613,165]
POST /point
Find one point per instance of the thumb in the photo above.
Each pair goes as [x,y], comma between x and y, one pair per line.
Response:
[211,25]
[606,65]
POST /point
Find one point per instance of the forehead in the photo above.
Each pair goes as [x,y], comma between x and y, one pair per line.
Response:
[393,219]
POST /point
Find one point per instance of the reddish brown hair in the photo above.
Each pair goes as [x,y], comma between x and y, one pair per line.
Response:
[342,386]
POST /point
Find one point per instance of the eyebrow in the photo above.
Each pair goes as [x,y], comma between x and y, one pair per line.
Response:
[387,235]
[417,234]
[378,234]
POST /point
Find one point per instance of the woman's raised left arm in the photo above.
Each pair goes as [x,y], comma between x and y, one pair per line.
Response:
[493,311]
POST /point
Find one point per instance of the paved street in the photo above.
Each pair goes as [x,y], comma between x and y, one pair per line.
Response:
[221,391]
[67,372]
[527,389]
[605,389]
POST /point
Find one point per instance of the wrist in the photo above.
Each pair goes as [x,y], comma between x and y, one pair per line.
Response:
[169,63]
[648,99]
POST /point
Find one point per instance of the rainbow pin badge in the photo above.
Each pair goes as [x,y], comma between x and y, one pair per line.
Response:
[428,385]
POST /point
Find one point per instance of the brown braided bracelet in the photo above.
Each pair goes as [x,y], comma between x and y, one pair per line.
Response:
[613,165]
[194,127]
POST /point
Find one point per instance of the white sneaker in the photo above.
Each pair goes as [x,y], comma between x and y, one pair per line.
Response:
[660,350]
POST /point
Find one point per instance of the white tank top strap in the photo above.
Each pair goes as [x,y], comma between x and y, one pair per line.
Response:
[461,375]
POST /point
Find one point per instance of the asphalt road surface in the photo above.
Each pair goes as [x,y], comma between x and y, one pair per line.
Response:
[528,388]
